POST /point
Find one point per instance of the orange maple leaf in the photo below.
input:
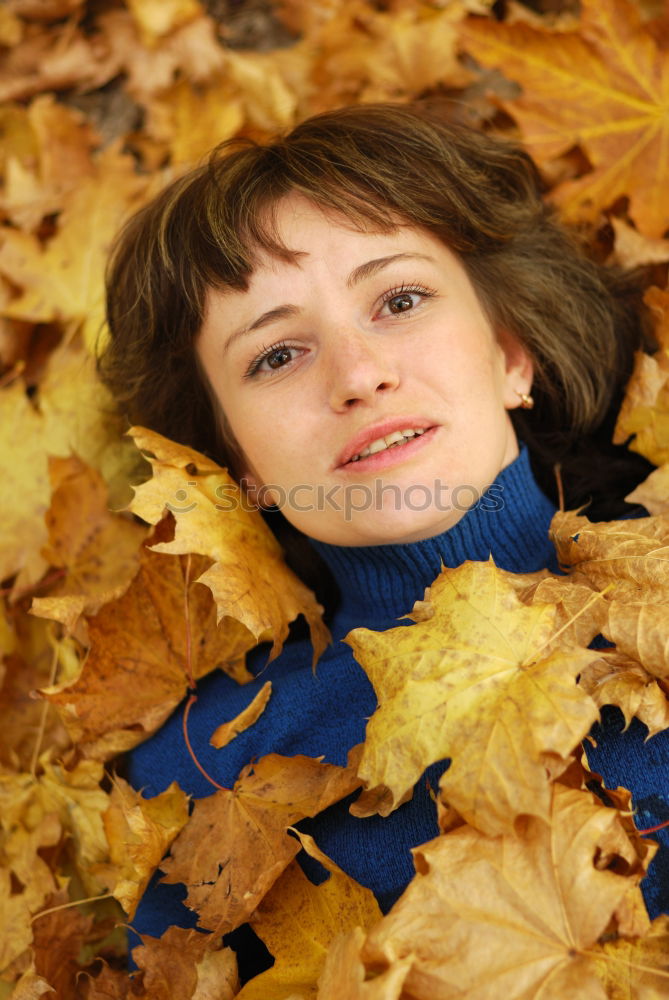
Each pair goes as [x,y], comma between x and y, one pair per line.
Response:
[604,88]
[235,845]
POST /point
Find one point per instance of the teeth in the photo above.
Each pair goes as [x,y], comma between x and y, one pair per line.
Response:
[389,441]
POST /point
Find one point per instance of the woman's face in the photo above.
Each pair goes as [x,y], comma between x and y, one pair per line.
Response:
[363,381]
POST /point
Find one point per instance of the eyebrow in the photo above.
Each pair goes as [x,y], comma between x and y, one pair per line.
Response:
[358,274]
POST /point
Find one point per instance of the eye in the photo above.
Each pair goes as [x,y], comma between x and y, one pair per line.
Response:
[271,359]
[404,299]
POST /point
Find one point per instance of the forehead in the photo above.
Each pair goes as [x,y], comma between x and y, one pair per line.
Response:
[305,235]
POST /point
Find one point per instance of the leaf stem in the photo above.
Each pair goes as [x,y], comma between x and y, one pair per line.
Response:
[654,829]
[45,709]
[191,701]
[189,645]
[71,903]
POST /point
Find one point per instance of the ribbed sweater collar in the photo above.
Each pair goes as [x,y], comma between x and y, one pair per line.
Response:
[380,583]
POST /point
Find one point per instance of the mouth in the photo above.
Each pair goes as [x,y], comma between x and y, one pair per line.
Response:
[394,440]
[376,443]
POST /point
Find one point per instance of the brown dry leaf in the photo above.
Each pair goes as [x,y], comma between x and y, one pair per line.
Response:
[108,984]
[520,916]
[645,409]
[99,550]
[139,832]
[139,642]
[235,845]
[228,730]
[183,963]
[653,492]
[632,249]
[605,88]
[249,579]
[59,938]
[56,59]
[476,672]
[40,175]
[191,51]
[298,921]
[629,558]
[365,54]
[617,679]
[64,281]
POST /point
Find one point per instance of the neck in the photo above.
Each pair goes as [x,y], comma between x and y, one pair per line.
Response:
[510,524]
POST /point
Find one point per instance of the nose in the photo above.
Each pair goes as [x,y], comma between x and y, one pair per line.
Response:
[359,368]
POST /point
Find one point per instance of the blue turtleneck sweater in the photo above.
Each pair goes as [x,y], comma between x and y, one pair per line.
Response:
[324,714]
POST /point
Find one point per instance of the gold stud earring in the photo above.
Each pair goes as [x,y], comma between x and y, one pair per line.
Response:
[526,401]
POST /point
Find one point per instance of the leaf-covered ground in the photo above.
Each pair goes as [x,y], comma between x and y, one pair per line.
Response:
[532,888]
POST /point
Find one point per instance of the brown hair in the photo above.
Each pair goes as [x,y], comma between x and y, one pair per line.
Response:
[375,165]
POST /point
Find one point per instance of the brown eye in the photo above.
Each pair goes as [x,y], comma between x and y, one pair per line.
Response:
[277,359]
[401,303]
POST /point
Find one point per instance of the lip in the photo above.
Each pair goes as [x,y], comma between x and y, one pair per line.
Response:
[365,437]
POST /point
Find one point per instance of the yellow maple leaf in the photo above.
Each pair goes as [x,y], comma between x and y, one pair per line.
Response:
[475,680]
[344,973]
[15,926]
[139,832]
[645,409]
[156,18]
[641,631]
[604,87]
[249,579]
[72,412]
[520,916]
[188,121]
[298,921]
[64,281]
[46,165]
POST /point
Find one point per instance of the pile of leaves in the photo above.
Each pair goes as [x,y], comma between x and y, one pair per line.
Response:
[110,615]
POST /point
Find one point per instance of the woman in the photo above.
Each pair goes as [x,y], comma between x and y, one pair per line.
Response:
[381,330]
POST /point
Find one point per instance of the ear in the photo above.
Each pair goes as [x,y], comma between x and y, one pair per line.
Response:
[518,370]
